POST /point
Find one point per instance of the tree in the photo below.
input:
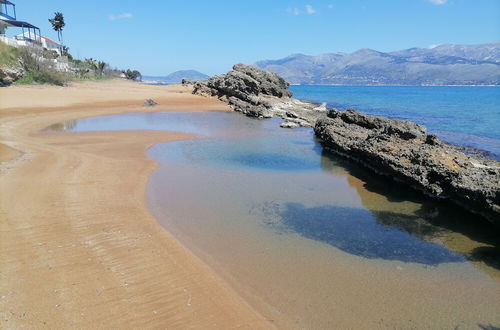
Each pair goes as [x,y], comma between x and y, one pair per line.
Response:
[101,65]
[133,75]
[65,52]
[58,24]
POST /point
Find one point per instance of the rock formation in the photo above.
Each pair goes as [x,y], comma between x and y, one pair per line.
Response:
[150,103]
[404,152]
[258,93]
[401,150]
[8,75]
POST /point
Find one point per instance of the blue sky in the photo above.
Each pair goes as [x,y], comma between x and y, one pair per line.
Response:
[158,37]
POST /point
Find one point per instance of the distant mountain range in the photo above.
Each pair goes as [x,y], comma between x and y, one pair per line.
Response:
[177,76]
[440,65]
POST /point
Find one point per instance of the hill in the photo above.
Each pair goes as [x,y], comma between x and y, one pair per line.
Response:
[440,65]
[177,76]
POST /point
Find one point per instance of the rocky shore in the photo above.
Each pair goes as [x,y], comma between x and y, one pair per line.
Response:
[400,150]
[260,94]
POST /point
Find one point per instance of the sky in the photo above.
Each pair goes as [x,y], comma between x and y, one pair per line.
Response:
[159,37]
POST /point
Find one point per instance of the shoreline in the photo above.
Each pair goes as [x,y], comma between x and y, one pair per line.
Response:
[80,247]
[399,149]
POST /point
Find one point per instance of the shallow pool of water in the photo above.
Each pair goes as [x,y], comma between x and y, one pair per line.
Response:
[309,239]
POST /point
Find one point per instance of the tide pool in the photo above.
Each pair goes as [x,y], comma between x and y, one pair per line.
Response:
[307,238]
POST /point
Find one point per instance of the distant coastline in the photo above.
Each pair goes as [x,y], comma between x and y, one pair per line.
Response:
[448,64]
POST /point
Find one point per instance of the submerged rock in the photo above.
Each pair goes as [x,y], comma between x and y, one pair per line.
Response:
[289,124]
[404,152]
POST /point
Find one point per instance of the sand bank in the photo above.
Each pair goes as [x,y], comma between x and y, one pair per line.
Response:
[79,248]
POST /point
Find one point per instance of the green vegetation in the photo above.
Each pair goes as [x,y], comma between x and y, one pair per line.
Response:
[43,66]
[27,79]
[58,24]
[133,75]
[8,55]
[39,69]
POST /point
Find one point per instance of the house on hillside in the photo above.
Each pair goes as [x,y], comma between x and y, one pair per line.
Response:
[30,34]
[8,19]
[45,42]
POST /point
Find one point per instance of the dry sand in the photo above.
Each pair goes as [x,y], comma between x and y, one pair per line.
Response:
[79,248]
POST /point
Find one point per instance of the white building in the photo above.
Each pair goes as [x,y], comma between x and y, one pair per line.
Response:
[8,19]
[30,34]
[44,41]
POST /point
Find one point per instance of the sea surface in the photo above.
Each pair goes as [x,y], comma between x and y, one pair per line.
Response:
[311,240]
[463,115]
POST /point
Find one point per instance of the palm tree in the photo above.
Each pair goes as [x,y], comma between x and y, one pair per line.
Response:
[58,24]
[101,65]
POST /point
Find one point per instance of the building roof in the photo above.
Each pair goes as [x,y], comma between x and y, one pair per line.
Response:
[18,23]
[50,40]
[6,2]
[38,35]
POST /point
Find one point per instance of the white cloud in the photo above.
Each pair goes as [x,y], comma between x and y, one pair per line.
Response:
[310,10]
[121,16]
[293,11]
[438,2]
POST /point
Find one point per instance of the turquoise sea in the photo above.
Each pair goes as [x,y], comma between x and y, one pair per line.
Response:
[463,115]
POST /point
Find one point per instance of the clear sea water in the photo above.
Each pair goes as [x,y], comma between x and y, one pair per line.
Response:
[463,115]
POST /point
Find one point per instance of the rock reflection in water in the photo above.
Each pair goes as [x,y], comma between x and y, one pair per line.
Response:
[62,126]
[356,231]
[430,220]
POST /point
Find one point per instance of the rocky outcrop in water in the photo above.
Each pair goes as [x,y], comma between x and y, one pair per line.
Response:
[258,93]
[400,150]
[404,152]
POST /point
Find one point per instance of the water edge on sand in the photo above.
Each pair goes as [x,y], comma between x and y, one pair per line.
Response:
[309,239]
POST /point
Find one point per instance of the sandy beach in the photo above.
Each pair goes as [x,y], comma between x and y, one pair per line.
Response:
[79,248]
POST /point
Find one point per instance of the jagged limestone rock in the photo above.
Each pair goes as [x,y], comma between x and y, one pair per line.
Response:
[256,93]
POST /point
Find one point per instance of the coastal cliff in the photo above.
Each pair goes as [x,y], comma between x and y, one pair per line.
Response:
[400,150]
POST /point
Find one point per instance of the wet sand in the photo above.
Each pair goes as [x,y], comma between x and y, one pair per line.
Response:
[79,248]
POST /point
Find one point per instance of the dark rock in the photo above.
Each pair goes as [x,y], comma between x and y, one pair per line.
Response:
[432,139]
[150,103]
[254,92]
[403,128]
[402,151]
[186,81]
